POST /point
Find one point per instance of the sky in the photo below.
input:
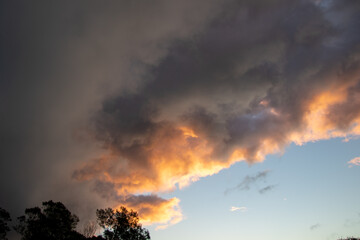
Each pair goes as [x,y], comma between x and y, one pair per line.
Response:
[211,118]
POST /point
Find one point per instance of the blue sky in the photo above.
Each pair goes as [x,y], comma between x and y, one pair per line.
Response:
[316,196]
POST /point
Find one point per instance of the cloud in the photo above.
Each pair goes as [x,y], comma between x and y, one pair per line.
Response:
[155,210]
[354,162]
[266,189]
[165,93]
[240,209]
[59,62]
[315,226]
[248,181]
[152,209]
[247,86]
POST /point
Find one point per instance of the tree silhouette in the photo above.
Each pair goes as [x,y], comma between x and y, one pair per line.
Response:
[121,224]
[4,228]
[53,222]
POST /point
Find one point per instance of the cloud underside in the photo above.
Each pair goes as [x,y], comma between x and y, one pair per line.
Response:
[256,79]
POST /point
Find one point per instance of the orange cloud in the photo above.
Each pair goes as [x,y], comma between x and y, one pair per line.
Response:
[155,210]
[176,156]
[316,124]
[319,122]
[172,154]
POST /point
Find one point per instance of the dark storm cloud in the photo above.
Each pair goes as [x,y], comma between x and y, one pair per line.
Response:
[162,93]
[58,61]
[258,52]
[252,81]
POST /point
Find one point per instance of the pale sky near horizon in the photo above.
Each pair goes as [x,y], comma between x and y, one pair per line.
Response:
[234,119]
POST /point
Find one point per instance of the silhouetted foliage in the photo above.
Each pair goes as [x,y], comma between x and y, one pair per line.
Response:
[4,228]
[121,225]
[53,222]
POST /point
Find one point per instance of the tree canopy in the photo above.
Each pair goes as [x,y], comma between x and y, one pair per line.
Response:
[121,224]
[53,222]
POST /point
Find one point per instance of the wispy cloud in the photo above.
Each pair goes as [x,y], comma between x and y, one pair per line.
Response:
[315,226]
[240,209]
[248,181]
[266,189]
[354,162]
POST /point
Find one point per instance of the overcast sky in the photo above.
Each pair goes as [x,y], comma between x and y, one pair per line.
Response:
[157,105]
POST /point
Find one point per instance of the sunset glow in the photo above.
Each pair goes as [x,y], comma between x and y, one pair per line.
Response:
[213,119]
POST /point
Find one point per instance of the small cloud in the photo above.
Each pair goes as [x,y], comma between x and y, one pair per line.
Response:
[354,162]
[266,189]
[285,199]
[241,209]
[248,181]
[315,226]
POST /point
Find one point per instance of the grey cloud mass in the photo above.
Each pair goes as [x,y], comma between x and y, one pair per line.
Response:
[59,61]
[120,101]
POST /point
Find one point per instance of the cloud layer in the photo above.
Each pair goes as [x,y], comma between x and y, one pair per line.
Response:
[258,78]
[186,90]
